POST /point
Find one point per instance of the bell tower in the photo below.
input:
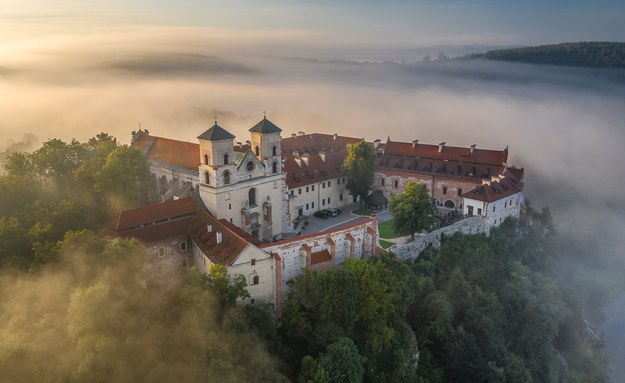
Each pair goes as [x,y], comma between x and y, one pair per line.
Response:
[266,145]
[216,151]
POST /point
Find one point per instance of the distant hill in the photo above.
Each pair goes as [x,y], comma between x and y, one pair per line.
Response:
[582,54]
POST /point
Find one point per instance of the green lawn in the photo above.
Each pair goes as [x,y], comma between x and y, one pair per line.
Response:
[387,230]
[386,244]
[361,212]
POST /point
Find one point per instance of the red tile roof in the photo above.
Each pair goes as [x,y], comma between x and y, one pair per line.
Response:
[224,253]
[152,233]
[320,257]
[164,211]
[450,153]
[489,192]
[180,154]
[316,142]
[240,232]
[317,169]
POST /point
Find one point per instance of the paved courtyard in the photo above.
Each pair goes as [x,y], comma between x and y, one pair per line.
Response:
[315,225]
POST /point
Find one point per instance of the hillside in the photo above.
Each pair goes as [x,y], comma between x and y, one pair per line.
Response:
[581,54]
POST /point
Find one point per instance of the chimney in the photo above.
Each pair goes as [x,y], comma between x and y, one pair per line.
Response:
[376,143]
[322,154]
[293,135]
[473,148]
[306,157]
[219,237]
[335,136]
[301,133]
[414,143]
[441,146]
[209,228]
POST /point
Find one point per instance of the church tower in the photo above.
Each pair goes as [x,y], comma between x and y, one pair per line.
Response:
[266,145]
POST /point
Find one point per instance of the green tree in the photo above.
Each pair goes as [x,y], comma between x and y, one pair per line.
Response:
[340,363]
[413,210]
[124,175]
[359,166]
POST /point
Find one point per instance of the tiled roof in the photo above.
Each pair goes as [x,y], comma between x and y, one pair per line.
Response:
[240,232]
[216,133]
[157,213]
[156,232]
[316,142]
[320,257]
[317,169]
[265,126]
[224,253]
[185,155]
[450,153]
[489,192]
[438,167]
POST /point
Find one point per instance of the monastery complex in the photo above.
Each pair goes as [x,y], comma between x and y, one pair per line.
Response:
[238,204]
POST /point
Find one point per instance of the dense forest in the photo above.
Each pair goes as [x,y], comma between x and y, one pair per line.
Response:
[74,308]
[581,54]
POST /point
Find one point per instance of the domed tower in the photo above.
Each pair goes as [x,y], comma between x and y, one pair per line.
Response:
[217,169]
[266,145]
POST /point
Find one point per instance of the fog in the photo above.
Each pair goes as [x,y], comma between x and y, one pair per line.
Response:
[565,126]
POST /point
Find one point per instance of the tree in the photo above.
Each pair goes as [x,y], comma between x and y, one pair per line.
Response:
[124,175]
[340,363]
[359,166]
[413,210]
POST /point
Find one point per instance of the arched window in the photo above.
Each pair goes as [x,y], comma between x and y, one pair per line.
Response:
[274,167]
[206,159]
[449,204]
[256,150]
[226,159]
[206,178]
[274,150]
[252,196]
[226,176]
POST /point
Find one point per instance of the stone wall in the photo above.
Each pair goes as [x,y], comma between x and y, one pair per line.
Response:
[167,258]
[411,250]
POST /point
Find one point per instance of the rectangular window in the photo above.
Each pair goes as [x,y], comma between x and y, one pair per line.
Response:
[299,191]
[329,183]
[341,197]
[306,189]
[459,191]
[230,220]
[493,208]
[479,211]
[338,181]
[505,204]
[444,189]
[313,205]
[183,246]
[229,206]
[396,184]
[161,251]
[313,188]
[307,207]
[381,181]
[323,185]
[328,200]
[253,261]
[323,202]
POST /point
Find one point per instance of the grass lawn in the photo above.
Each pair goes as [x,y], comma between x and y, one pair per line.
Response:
[387,230]
[386,244]
[361,212]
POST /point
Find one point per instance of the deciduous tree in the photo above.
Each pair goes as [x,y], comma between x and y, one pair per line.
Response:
[359,166]
[413,210]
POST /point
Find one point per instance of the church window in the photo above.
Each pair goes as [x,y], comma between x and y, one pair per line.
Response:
[274,151]
[226,159]
[249,166]
[206,178]
[252,196]
[206,159]
[226,177]
[256,150]
[274,167]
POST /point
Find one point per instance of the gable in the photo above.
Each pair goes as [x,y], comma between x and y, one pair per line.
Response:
[258,169]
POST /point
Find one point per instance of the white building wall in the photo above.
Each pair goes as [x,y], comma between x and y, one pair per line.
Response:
[253,262]
[497,211]
[332,193]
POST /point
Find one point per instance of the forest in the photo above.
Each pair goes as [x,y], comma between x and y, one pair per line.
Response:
[580,54]
[75,306]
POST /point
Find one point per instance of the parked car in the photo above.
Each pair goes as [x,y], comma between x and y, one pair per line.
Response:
[321,214]
[332,212]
